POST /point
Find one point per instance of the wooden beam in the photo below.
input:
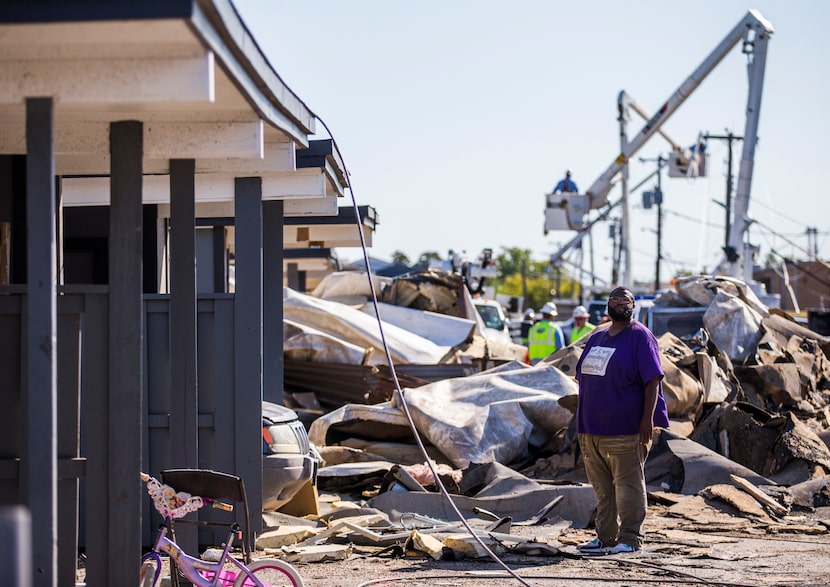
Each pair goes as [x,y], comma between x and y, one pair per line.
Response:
[303,183]
[83,147]
[110,81]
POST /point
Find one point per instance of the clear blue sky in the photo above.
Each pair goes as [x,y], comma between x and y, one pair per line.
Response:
[454,118]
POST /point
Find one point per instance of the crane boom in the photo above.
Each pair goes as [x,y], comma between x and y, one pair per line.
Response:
[755,31]
[753,21]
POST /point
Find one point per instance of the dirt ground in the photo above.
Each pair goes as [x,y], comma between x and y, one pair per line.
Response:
[715,548]
[677,552]
[693,542]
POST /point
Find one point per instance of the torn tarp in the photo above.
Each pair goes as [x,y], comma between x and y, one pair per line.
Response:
[687,467]
[486,417]
[492,416]
[497,489]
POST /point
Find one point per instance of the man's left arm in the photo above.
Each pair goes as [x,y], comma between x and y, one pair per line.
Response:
[649,404]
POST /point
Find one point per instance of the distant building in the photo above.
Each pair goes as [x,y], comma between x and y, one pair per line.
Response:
[808,280]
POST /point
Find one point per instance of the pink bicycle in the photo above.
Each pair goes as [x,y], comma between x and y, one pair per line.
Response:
[227,570]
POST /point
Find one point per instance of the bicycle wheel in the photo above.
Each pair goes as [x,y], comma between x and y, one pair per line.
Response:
[150,570]
[272,572]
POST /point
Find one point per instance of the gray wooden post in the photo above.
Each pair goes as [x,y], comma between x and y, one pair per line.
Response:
[184,431]
[248,340]
[184,398]
[39,465]
[272,311]
[126,340]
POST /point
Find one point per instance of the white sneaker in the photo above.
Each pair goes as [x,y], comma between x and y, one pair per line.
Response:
[622,548]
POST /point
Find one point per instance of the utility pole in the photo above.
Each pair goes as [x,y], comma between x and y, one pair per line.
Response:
[616,248]
[812,241]
[656,197]
[731,253]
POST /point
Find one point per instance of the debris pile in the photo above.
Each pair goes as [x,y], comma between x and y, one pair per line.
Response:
[747,393]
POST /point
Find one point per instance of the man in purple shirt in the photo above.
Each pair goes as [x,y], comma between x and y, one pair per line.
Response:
[620,403]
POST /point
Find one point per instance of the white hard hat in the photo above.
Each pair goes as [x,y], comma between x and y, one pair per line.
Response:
[549,308]
[580,312]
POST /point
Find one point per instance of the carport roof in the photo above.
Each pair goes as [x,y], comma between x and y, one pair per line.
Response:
[166,62]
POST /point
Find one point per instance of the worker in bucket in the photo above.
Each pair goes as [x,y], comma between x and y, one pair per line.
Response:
[545,338]
[581,324]
[620,403]
[566,185]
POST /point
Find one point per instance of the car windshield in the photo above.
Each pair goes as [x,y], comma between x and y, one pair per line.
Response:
[491,317]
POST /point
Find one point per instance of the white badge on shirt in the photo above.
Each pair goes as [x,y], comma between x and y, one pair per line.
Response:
[596,362]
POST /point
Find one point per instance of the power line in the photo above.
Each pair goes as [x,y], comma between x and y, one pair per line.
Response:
[778,213]
[692,219]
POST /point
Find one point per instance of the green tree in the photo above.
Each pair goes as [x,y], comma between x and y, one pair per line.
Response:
[537,281]
[538,289]
[400,257]
[512,259]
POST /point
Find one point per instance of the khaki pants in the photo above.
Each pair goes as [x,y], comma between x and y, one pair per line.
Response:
[614,466]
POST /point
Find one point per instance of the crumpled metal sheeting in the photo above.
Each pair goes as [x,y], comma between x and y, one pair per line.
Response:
[442,329]
[734,326]
[380,421]
[334,384]
[348,285]
[436,291]
[347,323]
[701,290]
[494,415]
[305,343]
[337,384]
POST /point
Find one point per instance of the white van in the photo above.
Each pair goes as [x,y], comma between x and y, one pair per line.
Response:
[496,323]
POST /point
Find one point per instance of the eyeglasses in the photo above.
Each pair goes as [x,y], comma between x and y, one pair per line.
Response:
[621,300]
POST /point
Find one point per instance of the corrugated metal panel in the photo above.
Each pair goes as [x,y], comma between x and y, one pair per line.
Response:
[337,384]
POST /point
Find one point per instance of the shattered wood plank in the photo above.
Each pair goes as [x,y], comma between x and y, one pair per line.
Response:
[336,529]
[425,543]
[470,547]
[378,537]
[344,525]
[744,503]
[758,494]
[695,509]
[312,554]
[284,535]
[665,497]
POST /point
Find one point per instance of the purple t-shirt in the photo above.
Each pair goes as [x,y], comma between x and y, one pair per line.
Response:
[612,374]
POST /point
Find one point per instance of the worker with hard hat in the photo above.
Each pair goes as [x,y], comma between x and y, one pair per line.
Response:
[528,320]
[545,337]
[581,324]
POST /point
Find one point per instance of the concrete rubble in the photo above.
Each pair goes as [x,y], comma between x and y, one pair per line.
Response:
[747,447]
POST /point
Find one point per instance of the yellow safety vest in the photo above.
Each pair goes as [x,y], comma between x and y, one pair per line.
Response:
[578,333]
[541,340]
